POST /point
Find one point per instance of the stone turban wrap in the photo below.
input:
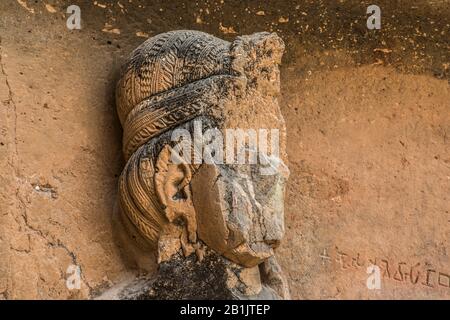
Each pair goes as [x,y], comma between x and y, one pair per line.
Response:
[170,79]
[160,86]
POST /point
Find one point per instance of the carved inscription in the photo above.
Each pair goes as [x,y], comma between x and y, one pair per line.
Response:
[400,271]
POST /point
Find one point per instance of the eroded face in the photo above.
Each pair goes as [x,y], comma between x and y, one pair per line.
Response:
[240,211]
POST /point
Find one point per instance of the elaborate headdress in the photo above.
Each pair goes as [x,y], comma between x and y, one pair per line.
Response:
[170,79]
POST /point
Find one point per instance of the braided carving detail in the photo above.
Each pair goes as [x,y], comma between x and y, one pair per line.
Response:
[170,79]
[168,61]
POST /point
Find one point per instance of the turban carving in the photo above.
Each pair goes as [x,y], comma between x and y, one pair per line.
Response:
[169,80]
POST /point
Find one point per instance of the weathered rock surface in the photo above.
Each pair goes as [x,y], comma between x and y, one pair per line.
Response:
[367,124]
[179,197]
[187,278]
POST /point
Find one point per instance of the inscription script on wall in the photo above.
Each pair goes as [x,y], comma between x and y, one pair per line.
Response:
[415,273]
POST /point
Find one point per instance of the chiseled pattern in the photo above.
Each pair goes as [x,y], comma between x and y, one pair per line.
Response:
[170,79]
[167,61]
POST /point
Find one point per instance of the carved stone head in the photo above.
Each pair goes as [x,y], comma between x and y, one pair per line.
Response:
[204,142]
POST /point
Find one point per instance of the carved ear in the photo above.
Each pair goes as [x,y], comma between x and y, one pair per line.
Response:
[172,179]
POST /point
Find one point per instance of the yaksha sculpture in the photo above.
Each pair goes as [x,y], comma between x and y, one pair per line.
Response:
[200,184]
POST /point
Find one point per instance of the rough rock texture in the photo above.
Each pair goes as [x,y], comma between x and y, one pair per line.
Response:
[377,193]
[183,277]
[367,117]
[193,83]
